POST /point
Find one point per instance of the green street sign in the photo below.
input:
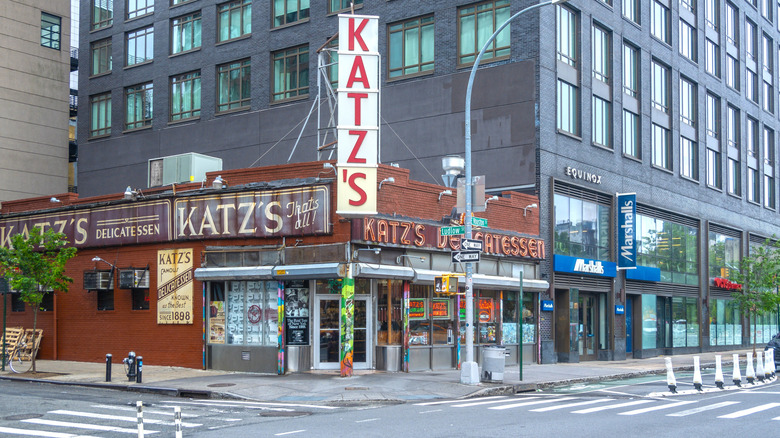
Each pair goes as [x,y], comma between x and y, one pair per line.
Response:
[452,231]
[478,221]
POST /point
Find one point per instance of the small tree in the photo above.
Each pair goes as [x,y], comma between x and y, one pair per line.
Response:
[758,275]
[35,264]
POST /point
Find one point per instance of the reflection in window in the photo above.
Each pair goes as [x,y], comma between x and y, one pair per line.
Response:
[725,322]
[410,47]
[244,313]
[581,228]
[669,246]
[476,23]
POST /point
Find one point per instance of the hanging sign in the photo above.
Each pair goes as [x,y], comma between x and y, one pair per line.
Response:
[626,205]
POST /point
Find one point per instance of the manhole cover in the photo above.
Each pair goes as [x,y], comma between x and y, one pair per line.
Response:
[221,385]
[20,417]
[283,414]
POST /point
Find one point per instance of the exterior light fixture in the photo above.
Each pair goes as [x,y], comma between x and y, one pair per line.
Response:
[445,192]
[492,198]
[529,206]
[389,180]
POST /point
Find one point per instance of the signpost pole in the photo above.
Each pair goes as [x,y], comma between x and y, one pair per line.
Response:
[520,372]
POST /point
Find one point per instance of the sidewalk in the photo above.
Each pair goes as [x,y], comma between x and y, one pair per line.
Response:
[364,386]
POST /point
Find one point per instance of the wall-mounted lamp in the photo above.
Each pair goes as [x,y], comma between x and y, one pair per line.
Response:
[98,259]
[326,168]
[54,200]
[389,179]
[219,183]
[446,192]
[402,256]
[529,206]
[375,250]
[130,194]
[492,198]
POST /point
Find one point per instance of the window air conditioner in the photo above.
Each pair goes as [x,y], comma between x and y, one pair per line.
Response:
[134,279]
[91,280]
[105,280]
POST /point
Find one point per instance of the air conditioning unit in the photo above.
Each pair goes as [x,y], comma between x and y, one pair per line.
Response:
[91,280]
[181,168]
[105,281]
[134,279]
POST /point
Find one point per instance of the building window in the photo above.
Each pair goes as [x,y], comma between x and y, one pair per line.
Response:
[659,22]
[234,19]
[752,137]
[713,116]
[754,189]
[769,191]
[17,305]
[138,106]
[769,168]
[291,73]
[234,85]
[100,115]
[671,247]
[631,10]
[341,5]
[568,114]
[725,322]
[685,321]
[662,156]
[724,254]
[185,33]
[140,46]
[238,327]
[712,52]
[178,2]
[769,97]
[732,72]
[137,8]
[687,102]
[105,299]
[140,299]
[332,60]
[476,23]
[713,168]
[567,43]
[630,70]
[289,11]
[47,303]
[732,127]
[768,58]
[732,27]
[689,163]
[631,135]
[602,122]
[751,85]
[688,5]
[581,228]
[410,47]
[688,41]
[712,14]
[185,96]
[750,39]
[102,13]
[766,9]
[600,48]
[735,178]
[101,57]
[660,87]
[51,31]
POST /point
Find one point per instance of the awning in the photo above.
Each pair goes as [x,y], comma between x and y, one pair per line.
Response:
[482,281]
[279,272]
[369,270]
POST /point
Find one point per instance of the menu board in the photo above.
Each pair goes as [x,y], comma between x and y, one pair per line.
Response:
[296,312]
[440,309]
[297,330]
[418,308]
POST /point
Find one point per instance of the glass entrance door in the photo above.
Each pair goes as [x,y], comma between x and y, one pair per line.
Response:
[588,329]
[629,325]
[327,342]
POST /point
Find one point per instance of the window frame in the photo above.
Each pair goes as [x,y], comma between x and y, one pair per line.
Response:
[664,92]
[302,90]
[712,55]
[146,34]
[344,4]
[688,42]
[102,130]
[569,54]
[633,6]
[601,125]
[103,47]
[662,26]
[244,66]
[662,153]
[632,71]
[179,82]
[572,128]
[103,19]
[224,10]
[51,35]
[494,52]
[178,27]
[601,61]
[688,101]
[689,158]
[285,15]
[138,11]
[421,24]
[144,90]
[635,134]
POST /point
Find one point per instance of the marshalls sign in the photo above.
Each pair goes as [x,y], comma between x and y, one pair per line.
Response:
[626,205]
[358,112]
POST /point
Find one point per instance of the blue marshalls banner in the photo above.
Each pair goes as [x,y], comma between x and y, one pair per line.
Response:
[626,206]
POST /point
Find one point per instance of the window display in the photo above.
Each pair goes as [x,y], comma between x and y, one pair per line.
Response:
[245,315]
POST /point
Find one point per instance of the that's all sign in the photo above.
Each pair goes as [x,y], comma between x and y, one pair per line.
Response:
[358,112]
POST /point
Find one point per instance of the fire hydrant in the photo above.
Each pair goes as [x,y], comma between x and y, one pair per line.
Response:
[130,365]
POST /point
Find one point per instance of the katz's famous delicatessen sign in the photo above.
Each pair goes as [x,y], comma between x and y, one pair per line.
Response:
[382,231]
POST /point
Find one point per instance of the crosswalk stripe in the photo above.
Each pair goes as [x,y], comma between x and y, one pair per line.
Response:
[132,419]
[656,408]
[223,405]
[248,403]
[702,409]
[604,408]
[88,426]
[41,433]
[571,405]
[537,402]
[753,410]
[466,405]
[442,402]
[146,411]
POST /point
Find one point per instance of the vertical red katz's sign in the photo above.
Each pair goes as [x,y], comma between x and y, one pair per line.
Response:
[358,107]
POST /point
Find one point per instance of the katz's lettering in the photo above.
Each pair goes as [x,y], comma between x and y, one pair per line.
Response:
[351,180]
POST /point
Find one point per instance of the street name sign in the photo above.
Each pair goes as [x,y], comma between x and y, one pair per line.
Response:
[452,231]
[478,221]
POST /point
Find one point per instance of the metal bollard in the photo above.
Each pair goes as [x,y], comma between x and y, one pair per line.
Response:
[139,363]
[140,416]
[108,367]
[177,420]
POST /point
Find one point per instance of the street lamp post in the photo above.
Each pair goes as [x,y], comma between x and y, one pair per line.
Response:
[469,371]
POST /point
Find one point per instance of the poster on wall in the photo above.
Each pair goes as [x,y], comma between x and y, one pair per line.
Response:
[217,322]
[296,312]
[174,286]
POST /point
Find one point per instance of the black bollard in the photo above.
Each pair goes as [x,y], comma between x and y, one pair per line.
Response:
[139,363]
[108,367]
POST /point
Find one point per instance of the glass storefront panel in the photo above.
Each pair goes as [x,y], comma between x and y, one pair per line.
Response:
[510,317]
[723,254]
[670,247]
[244,315]
[581,228]
[390,316]
[649,319]
[725,322]
[685,322]
[529,318]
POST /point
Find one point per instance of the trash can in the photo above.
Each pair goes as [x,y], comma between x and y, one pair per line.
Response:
[493,361]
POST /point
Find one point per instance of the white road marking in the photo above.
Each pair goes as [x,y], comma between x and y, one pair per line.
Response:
[146,411]
[488,402]
[86,426]
[132,419]
[702,409]
[41,433]
[753,410]
[456,401]
[529,403]
[656,408]
[206,404]
[571,405]
[249,403]
[432,410]
[366,420]
[604,408]
[290,432]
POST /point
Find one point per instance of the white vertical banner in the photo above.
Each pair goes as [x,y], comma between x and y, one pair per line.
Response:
[358,113]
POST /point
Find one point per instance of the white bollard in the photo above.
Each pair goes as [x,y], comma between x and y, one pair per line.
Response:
[670,380]
[760,366]
[140,406]
[769,363]
[750,373]
[177,420]
[736,376]
[696,374]
[718,372]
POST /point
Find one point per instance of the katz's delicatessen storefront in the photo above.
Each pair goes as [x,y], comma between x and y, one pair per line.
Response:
[265,277]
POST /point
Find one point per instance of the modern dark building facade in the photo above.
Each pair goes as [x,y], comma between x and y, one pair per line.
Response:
[675,101]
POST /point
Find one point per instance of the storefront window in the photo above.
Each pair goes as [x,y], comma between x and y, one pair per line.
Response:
[685,322]
[581,228]
[764,328]
[486,317]
[670,247]
[725,323]
[419,319]
[649,322]
[510,317]
[724,254]
[244,314]
[390,318]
